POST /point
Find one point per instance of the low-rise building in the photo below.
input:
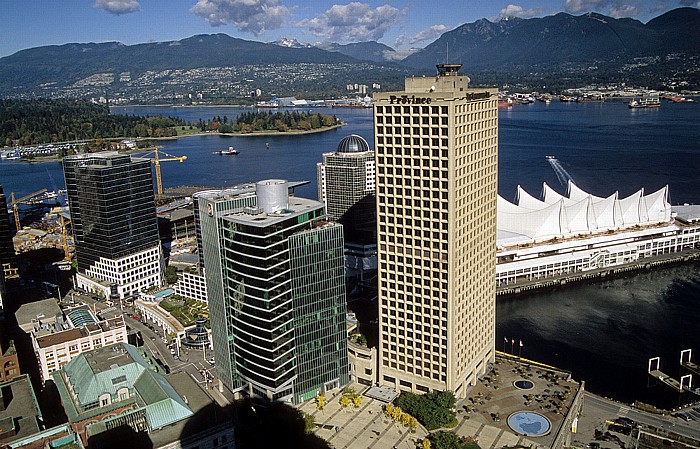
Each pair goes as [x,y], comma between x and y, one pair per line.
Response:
[38,313]
[20,415]
[159,317]
[9,364]
[59,437]
[118,389]
[59,336]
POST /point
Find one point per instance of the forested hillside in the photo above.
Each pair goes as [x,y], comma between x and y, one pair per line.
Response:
[27,122]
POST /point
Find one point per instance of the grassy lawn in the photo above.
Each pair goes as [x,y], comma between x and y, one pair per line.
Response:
[184,310]
[186,131]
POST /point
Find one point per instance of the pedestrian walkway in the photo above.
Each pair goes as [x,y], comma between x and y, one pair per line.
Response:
[368,427]
[365,427]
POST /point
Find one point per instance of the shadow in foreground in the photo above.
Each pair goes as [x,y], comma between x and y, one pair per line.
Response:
[263,425]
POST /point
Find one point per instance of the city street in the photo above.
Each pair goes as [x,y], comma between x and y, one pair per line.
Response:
[192,361]
[597,410]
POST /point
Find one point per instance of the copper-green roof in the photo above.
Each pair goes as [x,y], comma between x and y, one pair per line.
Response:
[107,370]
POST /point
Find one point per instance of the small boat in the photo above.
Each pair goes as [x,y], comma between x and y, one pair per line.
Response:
[228,152]
[267,146]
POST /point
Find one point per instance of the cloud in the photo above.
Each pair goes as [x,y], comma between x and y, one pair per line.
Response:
[623,11]
[518,11]
[400,41]
[118,6]
[691,3]
[432,32]
[614,8]
[354,22]
[398,55]
[252,16]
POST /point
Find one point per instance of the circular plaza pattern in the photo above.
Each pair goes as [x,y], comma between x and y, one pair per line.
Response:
[530,424]
[523,384]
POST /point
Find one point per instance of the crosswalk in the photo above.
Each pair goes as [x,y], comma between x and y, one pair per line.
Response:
[623,411]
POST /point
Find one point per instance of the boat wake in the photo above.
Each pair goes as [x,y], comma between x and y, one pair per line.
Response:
[562,175]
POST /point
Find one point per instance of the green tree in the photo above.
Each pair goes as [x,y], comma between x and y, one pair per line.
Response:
[171,275]
[309,423]
[427,411]
[450,440]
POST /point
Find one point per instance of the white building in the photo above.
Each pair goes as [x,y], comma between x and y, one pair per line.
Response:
[580,232]
[59,336]
[193,286]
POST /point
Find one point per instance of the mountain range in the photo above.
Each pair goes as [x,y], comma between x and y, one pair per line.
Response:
[572,48]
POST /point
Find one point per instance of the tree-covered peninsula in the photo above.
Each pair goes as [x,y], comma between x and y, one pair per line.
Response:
[261,121]
[28,122]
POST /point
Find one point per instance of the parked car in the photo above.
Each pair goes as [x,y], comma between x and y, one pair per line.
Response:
[684,416]
[625,422]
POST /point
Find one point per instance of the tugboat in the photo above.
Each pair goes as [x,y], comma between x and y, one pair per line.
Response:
[230,151]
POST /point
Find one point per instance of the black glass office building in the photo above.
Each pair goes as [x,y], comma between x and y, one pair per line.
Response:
[7,249]
[276,293]
[112,208]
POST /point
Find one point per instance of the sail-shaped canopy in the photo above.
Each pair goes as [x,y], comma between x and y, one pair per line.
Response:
[559,216]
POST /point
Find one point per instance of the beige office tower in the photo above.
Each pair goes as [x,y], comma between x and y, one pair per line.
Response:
[436,159]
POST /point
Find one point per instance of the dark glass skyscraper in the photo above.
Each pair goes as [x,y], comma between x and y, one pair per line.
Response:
[112,207]
[274,271]
[7,249]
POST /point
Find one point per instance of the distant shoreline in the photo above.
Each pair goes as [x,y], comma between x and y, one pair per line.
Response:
[251,134]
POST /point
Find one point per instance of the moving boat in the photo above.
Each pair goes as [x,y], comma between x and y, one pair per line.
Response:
[228,152]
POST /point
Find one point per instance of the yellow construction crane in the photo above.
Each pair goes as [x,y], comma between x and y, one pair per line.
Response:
[14,202]
[157,160]
[64,236]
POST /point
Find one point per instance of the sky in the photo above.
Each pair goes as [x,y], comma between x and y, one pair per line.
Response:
[401,24]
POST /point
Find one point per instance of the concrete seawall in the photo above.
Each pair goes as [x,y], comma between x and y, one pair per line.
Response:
[598,274]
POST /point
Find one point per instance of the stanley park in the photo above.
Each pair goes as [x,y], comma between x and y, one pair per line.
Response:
[242,224]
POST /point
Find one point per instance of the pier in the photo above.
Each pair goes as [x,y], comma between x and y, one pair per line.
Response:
[666,379]
[686,382]
[599,273]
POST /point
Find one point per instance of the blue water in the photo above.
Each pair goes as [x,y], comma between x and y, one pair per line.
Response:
[605,332]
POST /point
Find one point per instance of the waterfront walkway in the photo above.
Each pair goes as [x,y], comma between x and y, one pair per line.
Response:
[598,273]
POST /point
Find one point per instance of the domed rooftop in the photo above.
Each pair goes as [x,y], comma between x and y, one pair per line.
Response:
[353,144]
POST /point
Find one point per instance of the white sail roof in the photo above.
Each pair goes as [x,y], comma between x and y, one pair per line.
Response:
[549,195]
[528,201]
[560,216]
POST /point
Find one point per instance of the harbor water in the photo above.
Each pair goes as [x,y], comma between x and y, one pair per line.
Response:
[603,333]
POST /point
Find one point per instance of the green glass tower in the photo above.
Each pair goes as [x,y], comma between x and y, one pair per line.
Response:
[275,281]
